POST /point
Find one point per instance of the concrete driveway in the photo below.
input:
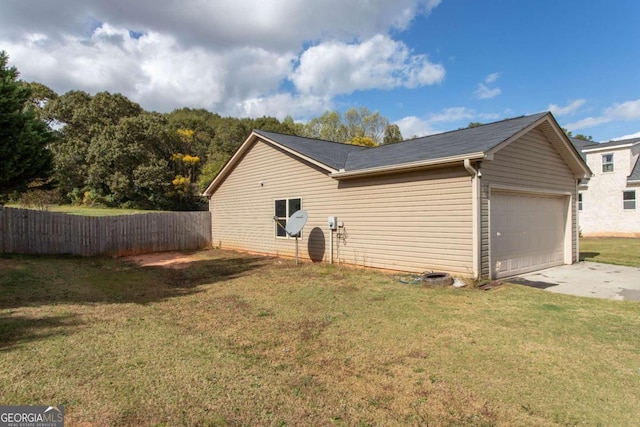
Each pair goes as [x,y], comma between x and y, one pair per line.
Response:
[586,279]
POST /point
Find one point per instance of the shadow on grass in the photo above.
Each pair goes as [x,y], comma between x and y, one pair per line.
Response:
[17,330]
[31,281]
[584,256]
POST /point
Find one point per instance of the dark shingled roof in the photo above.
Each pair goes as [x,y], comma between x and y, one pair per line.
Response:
[456,143]
[581,144]
[613,144]
[338,156]
[332,154]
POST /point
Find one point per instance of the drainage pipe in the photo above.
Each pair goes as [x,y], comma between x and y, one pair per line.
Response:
[476,209]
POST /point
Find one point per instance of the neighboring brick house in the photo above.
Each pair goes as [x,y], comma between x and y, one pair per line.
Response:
[609,202]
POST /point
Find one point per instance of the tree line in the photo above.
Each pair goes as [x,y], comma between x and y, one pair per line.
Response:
[107,150]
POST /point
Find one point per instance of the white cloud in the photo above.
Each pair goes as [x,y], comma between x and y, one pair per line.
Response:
[281,105]
[153,69]
[272,24]
[335,68]
[485,92]
[627,111]
[568,109]
[630,136]
[413,126]
[230,56]
[492,77]
[453,117]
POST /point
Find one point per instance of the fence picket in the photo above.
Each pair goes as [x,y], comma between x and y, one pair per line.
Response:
[27,231]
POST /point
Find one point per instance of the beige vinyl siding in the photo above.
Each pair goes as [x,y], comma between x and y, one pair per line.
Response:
[530,163]
[414,221]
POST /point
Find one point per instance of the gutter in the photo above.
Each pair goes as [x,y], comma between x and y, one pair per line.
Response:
[476,174]
[404,167]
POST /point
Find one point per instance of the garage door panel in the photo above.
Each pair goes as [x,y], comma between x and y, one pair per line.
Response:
[527,232]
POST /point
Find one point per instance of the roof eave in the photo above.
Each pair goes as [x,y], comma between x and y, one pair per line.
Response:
[406,167]
[609,148]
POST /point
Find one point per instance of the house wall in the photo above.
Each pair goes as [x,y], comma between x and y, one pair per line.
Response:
[530,163]
[602,207]
[415,221]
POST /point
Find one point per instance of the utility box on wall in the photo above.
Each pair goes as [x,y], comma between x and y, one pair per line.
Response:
[332,222]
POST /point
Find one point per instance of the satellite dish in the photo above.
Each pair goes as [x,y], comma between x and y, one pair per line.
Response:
[296,222]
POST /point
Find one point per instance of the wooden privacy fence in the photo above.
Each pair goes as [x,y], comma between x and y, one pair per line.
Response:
[27,231]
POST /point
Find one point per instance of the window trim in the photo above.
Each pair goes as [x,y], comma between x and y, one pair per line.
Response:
[607,165]
[626,201]
[277,218]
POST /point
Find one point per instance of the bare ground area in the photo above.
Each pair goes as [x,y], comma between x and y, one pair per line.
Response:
[173,259]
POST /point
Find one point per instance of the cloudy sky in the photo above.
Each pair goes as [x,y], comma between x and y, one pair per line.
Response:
[427,65]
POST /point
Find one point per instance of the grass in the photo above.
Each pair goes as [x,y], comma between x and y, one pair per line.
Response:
[611,250]
[86,211]
[243,340]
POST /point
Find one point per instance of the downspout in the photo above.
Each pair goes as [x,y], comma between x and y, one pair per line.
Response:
[576,195]
[475,208]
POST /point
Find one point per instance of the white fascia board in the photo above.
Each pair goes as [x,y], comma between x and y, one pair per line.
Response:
[403,167]
[609,148]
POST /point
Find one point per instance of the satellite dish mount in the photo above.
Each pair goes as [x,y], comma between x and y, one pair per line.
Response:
[295,223]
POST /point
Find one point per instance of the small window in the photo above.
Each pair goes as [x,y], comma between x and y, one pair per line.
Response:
[284,208]
[579,201]
[629,199]
[607,163]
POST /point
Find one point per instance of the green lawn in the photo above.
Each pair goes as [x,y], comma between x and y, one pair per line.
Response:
[86,211]
[238,340]
[611,250]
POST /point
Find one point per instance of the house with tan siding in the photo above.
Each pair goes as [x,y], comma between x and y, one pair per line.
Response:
[490,201]
[608,202]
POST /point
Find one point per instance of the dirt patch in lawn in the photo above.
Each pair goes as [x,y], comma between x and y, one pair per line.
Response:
[175,260]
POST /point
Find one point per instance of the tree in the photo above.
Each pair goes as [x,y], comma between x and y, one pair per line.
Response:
[41,96]
[474,125]
[578,136]
[584,137]
[291,127]
[362,122]
[83,119]
[364,141]
[392,134]
[357,123]
[140,163]
[328,126]
[24,139]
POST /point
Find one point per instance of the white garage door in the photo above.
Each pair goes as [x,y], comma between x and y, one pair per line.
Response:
[527,232]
